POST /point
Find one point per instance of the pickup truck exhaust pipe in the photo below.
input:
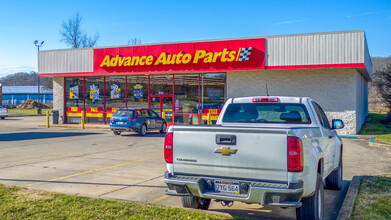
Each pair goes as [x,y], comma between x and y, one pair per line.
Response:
[225,203]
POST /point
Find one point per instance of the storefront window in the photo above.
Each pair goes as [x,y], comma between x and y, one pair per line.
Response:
[114,95]
[161,85]
[137,91]
[94,100]
[73,99]
[186,98]
[212,95]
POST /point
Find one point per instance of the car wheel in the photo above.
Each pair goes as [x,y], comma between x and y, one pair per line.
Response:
[334,180]
[143,130]
[2,117]
[195,202]
[164,128]
[313,206]
[117,132]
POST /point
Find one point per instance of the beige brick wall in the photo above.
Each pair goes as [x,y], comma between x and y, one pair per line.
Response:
[58,96]
[334,89]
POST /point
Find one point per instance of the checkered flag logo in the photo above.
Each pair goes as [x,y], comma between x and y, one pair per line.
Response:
[245,54]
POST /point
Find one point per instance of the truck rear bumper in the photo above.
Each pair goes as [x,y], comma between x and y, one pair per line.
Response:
[263,193]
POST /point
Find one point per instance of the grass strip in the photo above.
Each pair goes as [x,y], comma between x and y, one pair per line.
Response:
[381,132]
[27,111]
[374,198]
[22,203]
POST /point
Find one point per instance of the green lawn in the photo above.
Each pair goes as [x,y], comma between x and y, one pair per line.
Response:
[27,111]
[373,200]
[381,133]
[21,203]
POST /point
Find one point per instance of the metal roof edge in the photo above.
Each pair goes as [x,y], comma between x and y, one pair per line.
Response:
[207,40]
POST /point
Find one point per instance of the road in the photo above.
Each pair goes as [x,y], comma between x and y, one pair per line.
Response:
[96,163]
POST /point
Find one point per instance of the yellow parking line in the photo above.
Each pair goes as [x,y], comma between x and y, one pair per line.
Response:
[159,199]
[92,171]
[43,158]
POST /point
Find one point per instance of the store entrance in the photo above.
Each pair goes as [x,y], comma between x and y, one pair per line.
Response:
[163,105]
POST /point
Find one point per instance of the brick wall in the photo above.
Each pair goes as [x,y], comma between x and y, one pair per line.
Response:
[58,96]
[336,90]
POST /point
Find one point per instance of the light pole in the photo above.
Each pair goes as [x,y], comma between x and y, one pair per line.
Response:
[39,111]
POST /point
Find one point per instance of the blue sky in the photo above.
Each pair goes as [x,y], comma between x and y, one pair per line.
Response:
[22,22]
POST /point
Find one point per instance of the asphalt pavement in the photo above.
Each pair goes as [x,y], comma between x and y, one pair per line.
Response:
[97,163]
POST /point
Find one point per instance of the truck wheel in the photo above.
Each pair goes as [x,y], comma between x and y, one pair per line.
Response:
[117,132]
[334,180]
[195,202]
[164,128]
[143,130]
[313,206]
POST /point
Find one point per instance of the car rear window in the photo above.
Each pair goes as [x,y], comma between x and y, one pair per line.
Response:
[124,113]
[281,113]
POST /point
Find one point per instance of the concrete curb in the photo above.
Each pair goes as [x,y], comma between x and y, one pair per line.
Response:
[348,203]
[77,126]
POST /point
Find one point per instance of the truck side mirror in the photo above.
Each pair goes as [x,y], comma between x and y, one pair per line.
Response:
[337,124]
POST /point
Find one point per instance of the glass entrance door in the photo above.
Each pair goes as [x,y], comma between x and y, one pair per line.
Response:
[162,104]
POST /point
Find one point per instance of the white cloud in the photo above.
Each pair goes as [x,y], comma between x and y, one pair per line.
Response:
[9,69]
[367,13]
[289,22]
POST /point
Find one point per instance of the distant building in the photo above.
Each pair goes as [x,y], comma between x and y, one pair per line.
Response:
[16,95]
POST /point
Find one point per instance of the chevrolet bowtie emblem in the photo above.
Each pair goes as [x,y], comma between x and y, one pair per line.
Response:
[226,151]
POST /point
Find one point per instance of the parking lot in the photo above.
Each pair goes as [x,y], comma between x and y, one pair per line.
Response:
[96,163]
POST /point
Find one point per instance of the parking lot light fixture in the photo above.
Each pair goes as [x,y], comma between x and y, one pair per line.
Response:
[36,42]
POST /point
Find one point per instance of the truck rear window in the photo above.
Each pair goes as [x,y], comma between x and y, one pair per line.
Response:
[281,113]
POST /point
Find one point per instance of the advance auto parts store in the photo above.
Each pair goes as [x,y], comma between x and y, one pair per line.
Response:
[186,81]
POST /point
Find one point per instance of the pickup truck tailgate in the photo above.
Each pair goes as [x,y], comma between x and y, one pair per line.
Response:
[256,153]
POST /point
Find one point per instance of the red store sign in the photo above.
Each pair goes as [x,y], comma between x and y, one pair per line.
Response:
[213,56]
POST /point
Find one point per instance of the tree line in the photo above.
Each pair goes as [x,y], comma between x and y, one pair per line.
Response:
[26,79]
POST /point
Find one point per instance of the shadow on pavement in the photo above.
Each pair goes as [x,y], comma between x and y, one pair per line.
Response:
[21,136]
[150,134]
[84,183]
[333,203]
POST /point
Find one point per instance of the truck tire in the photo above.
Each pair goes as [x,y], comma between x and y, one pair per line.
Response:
[195,202]
[313,206]
[334,180]
[143,130]
[164,128]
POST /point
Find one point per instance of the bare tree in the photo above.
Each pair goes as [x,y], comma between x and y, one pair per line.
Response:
[383,84]
[134,41]
[72,34]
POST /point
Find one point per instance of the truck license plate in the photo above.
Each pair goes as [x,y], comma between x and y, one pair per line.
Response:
[227,187]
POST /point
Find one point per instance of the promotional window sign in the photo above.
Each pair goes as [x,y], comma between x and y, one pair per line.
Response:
[115,91]
[94,91]
[74,92]
[138,90]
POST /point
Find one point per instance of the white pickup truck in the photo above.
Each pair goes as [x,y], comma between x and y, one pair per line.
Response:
[266,150]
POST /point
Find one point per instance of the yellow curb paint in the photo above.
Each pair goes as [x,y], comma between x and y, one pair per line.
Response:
[92,171]
[159,199]
[43,158]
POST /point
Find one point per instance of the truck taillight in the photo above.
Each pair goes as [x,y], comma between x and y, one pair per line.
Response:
[168,142]
[295,154]
[268,99]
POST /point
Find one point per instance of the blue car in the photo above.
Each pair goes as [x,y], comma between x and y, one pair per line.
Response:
[138,120]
